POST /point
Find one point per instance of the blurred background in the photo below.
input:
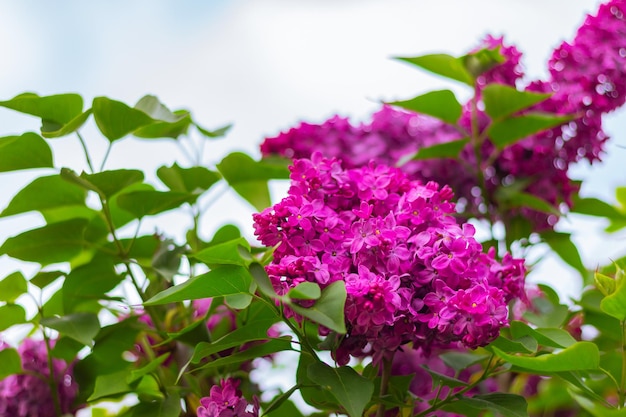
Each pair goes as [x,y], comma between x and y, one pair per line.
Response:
[266,65]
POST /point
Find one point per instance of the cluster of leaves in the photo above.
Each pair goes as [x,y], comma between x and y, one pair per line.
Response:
[91,249]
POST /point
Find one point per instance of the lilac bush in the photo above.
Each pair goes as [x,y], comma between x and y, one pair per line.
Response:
[369,272]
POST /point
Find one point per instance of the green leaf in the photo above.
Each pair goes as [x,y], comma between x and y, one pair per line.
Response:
[503,100]
[441,150]
[53,110]
[143,203]
[478,62]
[314,394]
[225,233]
[213,134]
[45,193]
[151,106]
[89,282]
[10,315]
[12,286]
[329,309]
[221,281]
[56,242]
[596,409]
[53,131]
[281,406]
[614,304]
[153,365]
[249,177]
[223,253]
[305,291]
[615,225]
[580,356]
[167,258]
[548,315]
[190,180]
[255,330]
[109,183]
[44,278]
[82,327]
[619,223]
[53,306]
[461,360]
[192,334]
[507,405]
[253,352]
[111,342]
[24,152]
[509,130]
[551,337]
[605,284]
[441,104]
[116,120]
[238,301]
[349,388]
[563,246]
[66,348]
[119,215]
[168,407]
[620,196]
[595,207]
[444,65]
[110,385]
[523,344]
[262,280]
[165,129]
[167,124]
[441,379]
[510,197]
[10,362]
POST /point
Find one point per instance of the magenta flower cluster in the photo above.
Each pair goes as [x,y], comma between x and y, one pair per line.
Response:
[412,274]
[28,394]
[587,79]
[225,400]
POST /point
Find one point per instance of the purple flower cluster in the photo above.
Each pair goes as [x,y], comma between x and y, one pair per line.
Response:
[587,79]
[225,400]
[28,394]
[412,274]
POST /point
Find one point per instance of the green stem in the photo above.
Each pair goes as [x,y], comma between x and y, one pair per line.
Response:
[106,156]
[185,152]
[215,198]
[384,385]
[150,310]
[84,145]
[54,390]
[122,253]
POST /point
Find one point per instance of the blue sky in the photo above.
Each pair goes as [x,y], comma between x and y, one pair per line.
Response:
[264,65]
